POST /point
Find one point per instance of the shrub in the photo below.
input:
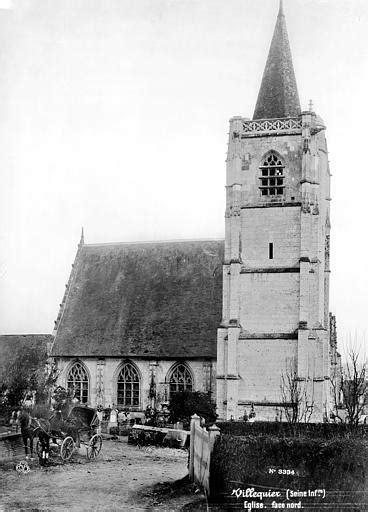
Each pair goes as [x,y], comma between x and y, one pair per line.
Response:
[311,430]
[41,411]
[186,403]
[24,372]
[337,465]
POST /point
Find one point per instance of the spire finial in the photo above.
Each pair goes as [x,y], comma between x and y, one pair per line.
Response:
[310,106]
[82,237]
[281,8]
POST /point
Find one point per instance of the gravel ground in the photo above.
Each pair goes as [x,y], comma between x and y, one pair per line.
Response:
[123,477]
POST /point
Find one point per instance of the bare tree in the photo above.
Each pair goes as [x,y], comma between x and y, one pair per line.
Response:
[354,386]
[297,396]
[336,395]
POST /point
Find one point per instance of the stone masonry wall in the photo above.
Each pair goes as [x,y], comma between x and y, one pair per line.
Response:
[203,372]
[261,363]
[279,226]
[270,303]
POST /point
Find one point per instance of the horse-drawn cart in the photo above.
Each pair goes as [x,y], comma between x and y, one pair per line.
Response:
[68,433]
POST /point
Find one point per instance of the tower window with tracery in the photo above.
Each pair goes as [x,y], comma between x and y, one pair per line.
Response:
[128,386]
[78,383]
[272,176]
[180,379]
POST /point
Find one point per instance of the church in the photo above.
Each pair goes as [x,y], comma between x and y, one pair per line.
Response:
[245,319]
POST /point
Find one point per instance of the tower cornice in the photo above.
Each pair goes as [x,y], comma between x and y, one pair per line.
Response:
[245,128]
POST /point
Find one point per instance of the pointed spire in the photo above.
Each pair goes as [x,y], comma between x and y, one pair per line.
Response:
[82,237]
[278,95]
[281,8]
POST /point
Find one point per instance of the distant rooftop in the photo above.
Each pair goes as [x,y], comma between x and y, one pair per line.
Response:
[11,343]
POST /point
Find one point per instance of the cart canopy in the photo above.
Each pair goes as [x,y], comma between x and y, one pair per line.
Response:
[82,416]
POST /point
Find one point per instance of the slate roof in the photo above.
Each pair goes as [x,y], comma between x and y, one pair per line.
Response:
[278,95]
[10,343]
[154,300]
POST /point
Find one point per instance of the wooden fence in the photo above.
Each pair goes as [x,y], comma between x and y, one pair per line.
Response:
[201,445]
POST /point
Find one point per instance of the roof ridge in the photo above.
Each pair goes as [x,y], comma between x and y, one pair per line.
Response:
[25,335]
[143,242]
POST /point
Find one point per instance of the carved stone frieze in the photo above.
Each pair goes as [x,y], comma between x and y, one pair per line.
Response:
[290,124]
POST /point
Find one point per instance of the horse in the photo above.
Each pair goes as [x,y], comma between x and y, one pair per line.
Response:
[30,428]
[54,427]
[41,429]
[24,420]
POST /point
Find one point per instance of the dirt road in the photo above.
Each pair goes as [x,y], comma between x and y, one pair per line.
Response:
[122,478]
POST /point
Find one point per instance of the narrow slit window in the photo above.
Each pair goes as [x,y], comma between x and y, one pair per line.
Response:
[270,251]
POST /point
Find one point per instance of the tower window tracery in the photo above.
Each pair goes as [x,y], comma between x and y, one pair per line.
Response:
[78,382]
[272,176]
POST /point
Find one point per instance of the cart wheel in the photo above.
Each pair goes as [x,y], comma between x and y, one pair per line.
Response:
[67,448]
[94,446]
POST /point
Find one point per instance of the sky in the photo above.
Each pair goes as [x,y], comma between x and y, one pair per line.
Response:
[114,116]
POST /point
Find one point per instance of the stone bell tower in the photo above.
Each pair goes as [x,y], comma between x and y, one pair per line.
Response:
[275,326]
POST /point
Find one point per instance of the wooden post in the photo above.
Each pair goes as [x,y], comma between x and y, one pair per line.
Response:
[214,431]
[193,422]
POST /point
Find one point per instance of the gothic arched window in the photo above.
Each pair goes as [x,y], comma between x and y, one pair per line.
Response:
[128,386]
[272,175]
[78,383]
[180,379]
